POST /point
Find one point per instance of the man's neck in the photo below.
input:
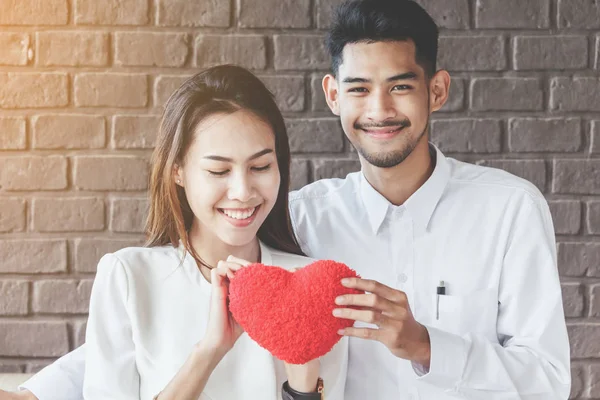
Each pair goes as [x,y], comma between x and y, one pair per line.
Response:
[398,183]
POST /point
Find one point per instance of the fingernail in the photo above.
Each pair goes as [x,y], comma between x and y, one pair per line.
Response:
[341,332]
[345,281]
[337,312]
[340,300]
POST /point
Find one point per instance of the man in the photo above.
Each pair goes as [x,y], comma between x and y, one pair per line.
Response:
[458,260]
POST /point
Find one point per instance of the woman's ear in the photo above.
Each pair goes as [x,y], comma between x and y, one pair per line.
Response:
[178,175]
[439,87]
[331,90]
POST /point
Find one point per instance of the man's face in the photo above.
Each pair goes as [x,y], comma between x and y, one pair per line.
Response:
[382,97]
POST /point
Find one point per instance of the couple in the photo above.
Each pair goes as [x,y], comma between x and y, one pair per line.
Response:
[458,261]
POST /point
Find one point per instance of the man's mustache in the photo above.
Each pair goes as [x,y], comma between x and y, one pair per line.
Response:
[405,123]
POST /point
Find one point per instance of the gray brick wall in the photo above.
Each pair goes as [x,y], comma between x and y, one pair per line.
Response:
[82,83]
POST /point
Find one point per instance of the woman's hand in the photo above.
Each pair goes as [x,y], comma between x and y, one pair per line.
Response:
[223,330]
[21,395]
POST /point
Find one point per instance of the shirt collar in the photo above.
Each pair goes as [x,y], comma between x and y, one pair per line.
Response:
[420,205]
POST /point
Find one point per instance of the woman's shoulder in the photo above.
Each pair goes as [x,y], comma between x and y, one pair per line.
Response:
[145,259]
[287,260]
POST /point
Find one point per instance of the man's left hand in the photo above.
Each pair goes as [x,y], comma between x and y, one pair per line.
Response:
[389,310]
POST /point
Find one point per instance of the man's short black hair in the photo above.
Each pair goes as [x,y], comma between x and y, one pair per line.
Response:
[370,21]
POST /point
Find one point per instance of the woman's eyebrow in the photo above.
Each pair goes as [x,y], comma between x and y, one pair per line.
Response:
[227,159]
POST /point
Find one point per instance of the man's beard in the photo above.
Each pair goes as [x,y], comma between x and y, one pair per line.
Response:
[391,159]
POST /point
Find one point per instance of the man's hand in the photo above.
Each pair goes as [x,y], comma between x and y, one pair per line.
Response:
[388,309]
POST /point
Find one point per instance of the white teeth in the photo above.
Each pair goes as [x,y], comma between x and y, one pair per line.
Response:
[236,214]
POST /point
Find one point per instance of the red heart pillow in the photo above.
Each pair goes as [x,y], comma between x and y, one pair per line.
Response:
[290,313]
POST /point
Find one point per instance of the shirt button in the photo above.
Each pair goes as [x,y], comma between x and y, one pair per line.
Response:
[402,278]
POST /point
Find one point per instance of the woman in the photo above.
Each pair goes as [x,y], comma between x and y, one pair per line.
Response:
[158,325]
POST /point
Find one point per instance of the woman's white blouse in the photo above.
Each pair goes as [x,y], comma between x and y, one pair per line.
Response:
[149,307]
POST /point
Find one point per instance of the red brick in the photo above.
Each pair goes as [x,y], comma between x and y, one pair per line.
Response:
[13,215]
[135,131]
[33,173]
[33,90]
[79,214]
[33,256]
[15,297]
[128,214]
[13,48]
[33,339]
[111,90]
[68,132]
[165,86]
[12,134]
[61,296]
[34,12]
[111,12]
[72,48]
[209,13]
[151,49]
[118,173]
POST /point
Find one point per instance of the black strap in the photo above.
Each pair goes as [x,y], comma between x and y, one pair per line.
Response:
[287,393]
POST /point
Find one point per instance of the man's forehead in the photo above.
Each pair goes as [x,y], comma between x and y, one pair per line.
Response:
[378,60]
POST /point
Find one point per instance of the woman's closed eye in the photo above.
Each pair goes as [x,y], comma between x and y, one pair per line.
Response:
[263,168]
[226,171]
[218,173]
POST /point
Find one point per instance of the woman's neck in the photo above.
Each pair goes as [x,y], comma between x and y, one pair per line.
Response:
[211,249]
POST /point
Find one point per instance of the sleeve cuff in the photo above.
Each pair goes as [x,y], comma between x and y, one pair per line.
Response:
[448,359]
[50,385]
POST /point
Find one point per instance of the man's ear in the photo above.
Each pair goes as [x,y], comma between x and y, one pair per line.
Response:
[178,175]
[331,90]
[439,87]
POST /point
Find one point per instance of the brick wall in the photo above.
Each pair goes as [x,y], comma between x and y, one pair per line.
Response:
[82,83]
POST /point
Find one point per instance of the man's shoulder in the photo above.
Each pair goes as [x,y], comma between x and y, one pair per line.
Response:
[490,181]
[326,188]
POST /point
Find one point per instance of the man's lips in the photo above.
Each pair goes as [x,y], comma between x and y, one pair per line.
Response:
[384,132]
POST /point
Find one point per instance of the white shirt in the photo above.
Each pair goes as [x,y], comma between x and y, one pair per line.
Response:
[501,332]
[488,235]
[150,306]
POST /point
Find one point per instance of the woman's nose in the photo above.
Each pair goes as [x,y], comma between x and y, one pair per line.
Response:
[240,188]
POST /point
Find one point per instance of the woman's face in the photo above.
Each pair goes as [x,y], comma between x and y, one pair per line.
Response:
[231,177]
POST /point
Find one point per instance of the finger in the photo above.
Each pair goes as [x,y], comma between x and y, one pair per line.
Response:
[371,300]
[362,333]
[225,272]
[371,286]
[368,316]
[231,267]
[240,261]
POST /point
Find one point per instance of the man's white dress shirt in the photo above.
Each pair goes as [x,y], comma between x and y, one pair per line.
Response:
[487,234]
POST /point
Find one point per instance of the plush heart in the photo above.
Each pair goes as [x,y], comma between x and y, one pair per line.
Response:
[290,313]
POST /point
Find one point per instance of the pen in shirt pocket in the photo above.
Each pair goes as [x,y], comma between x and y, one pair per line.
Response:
[440,291]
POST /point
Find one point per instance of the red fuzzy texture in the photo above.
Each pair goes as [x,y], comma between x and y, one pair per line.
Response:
[290,313]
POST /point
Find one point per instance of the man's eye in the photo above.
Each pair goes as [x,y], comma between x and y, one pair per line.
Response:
[402,87]
[218,173]
[357,90]
[264,168]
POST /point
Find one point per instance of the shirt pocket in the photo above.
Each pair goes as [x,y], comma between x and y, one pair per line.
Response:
[474,312]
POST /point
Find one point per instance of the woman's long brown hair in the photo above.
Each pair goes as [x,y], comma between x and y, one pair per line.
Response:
[222,89]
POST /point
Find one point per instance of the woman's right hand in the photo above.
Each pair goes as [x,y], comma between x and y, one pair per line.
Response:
[223,330]
[21,395]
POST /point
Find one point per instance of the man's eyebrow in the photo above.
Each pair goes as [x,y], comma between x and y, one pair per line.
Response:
[227,159]
[400,77]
